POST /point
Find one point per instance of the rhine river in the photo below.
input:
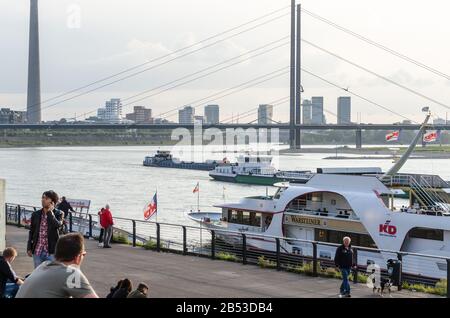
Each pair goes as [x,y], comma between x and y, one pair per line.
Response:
[115,175]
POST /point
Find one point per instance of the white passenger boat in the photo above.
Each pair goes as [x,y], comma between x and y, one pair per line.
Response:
[328,207]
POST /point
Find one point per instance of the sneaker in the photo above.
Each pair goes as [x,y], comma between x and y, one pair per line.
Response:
[341,295]
[348,295]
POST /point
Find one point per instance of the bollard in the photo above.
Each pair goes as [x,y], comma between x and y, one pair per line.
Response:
[158,237]
[184,241]
[244,249]
[134,233]
[70,222]
[314,259]
[355,269]
[19,217]
[90,226]
[213,244]
[400,274]
[278,254]
[448,278]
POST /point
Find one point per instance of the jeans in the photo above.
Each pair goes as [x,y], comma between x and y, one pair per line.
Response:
[107,235]
[11,290]
[345,286]
[100,238]
[39,259]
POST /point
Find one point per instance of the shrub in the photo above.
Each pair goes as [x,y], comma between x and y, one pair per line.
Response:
[226,257]
[265,263]
[120,238]
[150,245]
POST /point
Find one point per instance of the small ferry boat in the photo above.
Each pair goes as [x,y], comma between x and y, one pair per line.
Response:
[255,170]
[164,159]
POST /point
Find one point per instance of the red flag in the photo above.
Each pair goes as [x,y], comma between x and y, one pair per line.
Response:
[393,136]
[430,136]
[151,209]
[197,188]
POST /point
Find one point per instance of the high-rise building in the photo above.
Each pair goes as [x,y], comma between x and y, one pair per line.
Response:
[34,79]
[307,110]
[317,116]
[344,110]
[265,114]
[141,115]
[212,114]
[112,112]
[9,116]
[186,115]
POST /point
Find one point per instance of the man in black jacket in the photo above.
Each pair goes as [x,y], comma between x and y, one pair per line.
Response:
[344,260]
[7,275]
[44,230]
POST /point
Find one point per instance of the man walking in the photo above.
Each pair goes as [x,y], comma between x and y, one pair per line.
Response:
[44,230]
[344,260]
[106,221]
[61,278]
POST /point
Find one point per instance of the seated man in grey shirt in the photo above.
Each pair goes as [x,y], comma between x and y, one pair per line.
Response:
[61,278]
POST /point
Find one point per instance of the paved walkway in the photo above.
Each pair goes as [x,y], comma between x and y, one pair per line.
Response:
[172,275]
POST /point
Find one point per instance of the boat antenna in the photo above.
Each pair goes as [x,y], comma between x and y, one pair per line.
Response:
[399,164]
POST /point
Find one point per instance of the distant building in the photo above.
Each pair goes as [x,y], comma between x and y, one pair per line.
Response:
[307,111]
[140,115]
[265,114]
[199,120]
[317,116]
[212,114]
[344,110]
[9,116]
[439,121]
[160,121]
[112,112]
[186,115]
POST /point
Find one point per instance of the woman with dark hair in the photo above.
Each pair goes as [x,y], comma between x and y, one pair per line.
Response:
[124,289]
[112,290]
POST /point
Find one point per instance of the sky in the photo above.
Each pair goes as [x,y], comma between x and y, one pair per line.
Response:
[83,41]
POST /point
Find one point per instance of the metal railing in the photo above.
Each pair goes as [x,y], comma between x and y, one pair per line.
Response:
[237,246]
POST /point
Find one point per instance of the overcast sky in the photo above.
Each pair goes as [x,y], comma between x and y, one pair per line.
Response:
[113,35]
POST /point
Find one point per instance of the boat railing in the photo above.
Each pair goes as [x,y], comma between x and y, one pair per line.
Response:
[242,246]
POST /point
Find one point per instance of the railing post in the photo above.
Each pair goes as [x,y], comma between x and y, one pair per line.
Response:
[184,240]
[314,259]
[278,254]
[400,274]
[158,237]
[244,249]
[448,278]
[355,269]
[70,222]
[19,217]
[90,225]
[213,244]
[134,233]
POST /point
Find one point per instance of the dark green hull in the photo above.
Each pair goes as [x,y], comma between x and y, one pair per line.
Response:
[258,179]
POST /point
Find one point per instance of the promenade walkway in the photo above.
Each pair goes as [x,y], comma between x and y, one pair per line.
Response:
[172,275]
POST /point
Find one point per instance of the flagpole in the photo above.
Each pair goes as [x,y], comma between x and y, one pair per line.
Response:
[198,197]
[157,203]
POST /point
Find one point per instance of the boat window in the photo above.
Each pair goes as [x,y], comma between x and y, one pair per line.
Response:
[337,237]
[427,234]
[244,218]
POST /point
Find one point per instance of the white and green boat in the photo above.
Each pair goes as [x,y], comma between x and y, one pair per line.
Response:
[256,170]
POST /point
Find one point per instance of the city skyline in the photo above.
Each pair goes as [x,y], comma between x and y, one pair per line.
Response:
[101,62]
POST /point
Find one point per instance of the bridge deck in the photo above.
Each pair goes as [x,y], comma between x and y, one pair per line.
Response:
[172,275]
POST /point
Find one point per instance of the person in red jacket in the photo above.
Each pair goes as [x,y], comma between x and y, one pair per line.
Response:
[106,221]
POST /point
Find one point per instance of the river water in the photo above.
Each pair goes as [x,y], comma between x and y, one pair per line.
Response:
[115,175]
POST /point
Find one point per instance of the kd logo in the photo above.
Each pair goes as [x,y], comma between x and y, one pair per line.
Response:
[74,16]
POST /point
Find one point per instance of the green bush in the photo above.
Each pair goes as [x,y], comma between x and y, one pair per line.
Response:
[439,289]
[150,245]
[226,257]
[265,263]
[120,239]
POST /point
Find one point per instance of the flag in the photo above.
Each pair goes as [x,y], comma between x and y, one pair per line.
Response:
[426,109]
[393,136]
[431,136]
[151,208]
[197,188]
